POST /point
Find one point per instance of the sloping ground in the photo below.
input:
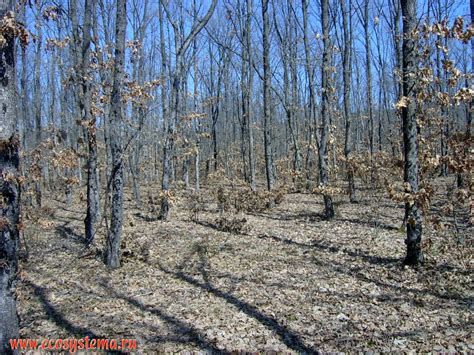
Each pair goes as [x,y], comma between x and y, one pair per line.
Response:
[293,282]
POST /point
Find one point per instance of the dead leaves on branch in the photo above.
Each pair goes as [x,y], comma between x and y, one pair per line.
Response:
[10,28]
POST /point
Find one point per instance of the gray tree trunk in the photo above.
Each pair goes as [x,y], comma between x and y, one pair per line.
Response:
[323,141]
[347,72]
[414,254]
[38,103]
[368,72]
[9,190]
[311,113]
[269,165]
[85,104]
[116,140]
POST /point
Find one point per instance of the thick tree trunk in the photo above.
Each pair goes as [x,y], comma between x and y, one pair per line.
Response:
[9,190]
[323,144]
[116,122]
[414,254]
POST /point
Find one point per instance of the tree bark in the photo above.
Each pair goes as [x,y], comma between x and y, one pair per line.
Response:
[9,189]
[269,168]
[85,104]
[347,94]
[414,254]
[116,141]
[311,114]
[323,142]
[368,71]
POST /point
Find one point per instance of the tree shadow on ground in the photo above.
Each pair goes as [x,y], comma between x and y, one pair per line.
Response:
[287,216]
[371,259]
[60,320]
[370,224]
[67,232]
[146,218]
[287,336]
[185,333]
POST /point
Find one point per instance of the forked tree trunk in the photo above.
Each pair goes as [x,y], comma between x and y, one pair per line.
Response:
[176,83]
[9,190]
[414,254]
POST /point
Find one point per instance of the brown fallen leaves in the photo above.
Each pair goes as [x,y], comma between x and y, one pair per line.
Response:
[294,282]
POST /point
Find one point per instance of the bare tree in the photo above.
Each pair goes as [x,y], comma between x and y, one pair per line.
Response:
[85,104]
[347,72]
[176,85]
[323,141]
[311,109]
[269,164]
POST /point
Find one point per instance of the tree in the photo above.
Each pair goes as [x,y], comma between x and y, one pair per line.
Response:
[85,104]
[175,93]
[346,63]
[116,139]
[414,254]
[269,168]
[368,71]
[323,141]
[311,109]
[9,183]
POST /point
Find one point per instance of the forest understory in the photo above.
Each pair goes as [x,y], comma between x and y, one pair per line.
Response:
[284,279]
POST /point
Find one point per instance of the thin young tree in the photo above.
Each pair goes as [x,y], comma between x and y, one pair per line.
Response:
[347,72]
[116,139]
[85,104]
[9,186]
[414,255]
[311,108]
[269,168]
[324,137]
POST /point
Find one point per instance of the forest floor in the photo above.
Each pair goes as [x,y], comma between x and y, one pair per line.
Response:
[291,282]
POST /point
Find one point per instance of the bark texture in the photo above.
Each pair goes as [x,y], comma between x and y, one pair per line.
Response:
[116,141]
[9,190]
[414,255]
[323,141]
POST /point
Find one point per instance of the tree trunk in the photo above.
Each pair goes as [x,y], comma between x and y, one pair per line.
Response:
[269,168]
[85,104]
[323,144]
[347,95]
[368,71]
[414,254]
[311,116]
[9,190]
[116,144]
[38,106]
